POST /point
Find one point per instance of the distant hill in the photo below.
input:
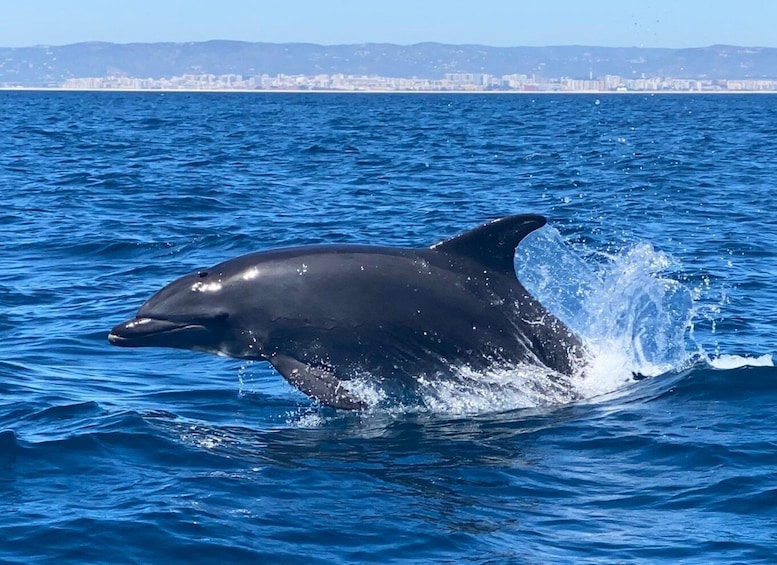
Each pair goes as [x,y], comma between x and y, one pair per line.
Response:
[43,66]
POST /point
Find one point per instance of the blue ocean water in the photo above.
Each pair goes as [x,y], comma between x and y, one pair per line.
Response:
[660,252]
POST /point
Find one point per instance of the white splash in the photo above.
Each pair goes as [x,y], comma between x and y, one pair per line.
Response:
[632,317]
[495,390]
[365,389]
[738,361]
[305,420]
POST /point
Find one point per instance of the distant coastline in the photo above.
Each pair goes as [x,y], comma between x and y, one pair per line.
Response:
[450,82]
[397,92]
[236,65]
[393,92]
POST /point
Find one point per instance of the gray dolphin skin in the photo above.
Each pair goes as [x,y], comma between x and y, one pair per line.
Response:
[323,315]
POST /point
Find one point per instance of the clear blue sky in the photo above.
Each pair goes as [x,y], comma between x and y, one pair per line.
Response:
[647,23]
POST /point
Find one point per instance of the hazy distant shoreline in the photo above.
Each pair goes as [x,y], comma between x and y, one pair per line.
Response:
[224,65]
[335,91]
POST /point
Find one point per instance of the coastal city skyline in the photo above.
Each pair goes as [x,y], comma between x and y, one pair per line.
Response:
[425,67]
[452,82]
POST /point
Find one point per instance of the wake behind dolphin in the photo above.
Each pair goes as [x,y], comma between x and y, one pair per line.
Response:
[325,315]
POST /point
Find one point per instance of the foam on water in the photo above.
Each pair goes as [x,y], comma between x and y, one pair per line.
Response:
[739,361]
[496,390]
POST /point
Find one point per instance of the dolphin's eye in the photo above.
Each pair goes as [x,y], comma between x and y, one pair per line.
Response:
[202,274]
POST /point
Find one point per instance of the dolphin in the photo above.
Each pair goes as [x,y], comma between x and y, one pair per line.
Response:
[326,314]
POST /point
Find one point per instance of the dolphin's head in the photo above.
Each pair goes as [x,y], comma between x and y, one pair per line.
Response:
[199,311]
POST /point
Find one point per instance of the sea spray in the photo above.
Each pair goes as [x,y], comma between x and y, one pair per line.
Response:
[632,317]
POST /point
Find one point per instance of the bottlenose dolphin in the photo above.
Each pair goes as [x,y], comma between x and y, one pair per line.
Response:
[323,315]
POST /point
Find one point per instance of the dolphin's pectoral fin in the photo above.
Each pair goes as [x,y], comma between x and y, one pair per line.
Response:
[318,382]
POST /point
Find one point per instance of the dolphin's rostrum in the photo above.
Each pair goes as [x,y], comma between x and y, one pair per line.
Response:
[323,315]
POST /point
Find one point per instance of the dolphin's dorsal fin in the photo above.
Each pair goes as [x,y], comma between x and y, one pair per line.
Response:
[493,244]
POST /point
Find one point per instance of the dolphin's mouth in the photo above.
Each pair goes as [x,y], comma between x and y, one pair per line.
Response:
[152,332]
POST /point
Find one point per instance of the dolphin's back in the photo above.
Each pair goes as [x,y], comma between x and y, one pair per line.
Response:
[379,310]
